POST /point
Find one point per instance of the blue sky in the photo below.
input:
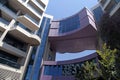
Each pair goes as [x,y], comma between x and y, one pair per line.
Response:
[65,8]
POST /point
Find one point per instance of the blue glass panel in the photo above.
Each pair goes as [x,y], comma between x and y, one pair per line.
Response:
[53,70]
[38,52]
[69,24]
[29,72]
[98,13]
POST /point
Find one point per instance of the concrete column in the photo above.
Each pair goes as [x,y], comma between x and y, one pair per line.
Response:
[8,28]
[26,63]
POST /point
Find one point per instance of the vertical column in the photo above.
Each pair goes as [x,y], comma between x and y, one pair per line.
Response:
[13,21]
[8,28]
[26,62]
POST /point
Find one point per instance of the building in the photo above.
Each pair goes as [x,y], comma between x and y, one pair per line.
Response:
[64,70]
[19,22]
[33,69]
[98,12]
[110,6]
[73,34]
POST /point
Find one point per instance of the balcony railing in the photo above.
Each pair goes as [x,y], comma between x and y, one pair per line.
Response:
[28,21]
[9,63]
[25,28]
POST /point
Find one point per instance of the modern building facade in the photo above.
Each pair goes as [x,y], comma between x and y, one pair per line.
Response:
[65,70]
[98,12]
[19,22]
[70,34]
[110,6]
[73,34]
[34,66]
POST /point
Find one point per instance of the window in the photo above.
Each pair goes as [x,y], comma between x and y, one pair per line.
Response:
[69,24]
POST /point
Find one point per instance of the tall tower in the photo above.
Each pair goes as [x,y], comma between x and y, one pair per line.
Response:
[19,22]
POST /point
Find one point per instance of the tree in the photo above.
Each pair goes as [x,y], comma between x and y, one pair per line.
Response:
[109,31]
[87,71]
[107,63]
[105,70]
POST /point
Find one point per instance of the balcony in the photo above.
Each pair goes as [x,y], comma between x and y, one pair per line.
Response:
[24,7]
[110,5]
[25,35]
[41,3]
[9,63]
[37,5]
[8,11]
[116,9]
[28,22]
[12,50]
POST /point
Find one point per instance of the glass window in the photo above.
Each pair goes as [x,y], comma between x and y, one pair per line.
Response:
[98,13]
[69,24]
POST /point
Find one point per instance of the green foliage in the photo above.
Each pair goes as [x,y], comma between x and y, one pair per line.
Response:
[106,70]
[87,71]
[107,63]
[109,31]
[107,56]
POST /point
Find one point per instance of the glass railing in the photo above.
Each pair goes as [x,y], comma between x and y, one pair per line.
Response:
[9,63]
